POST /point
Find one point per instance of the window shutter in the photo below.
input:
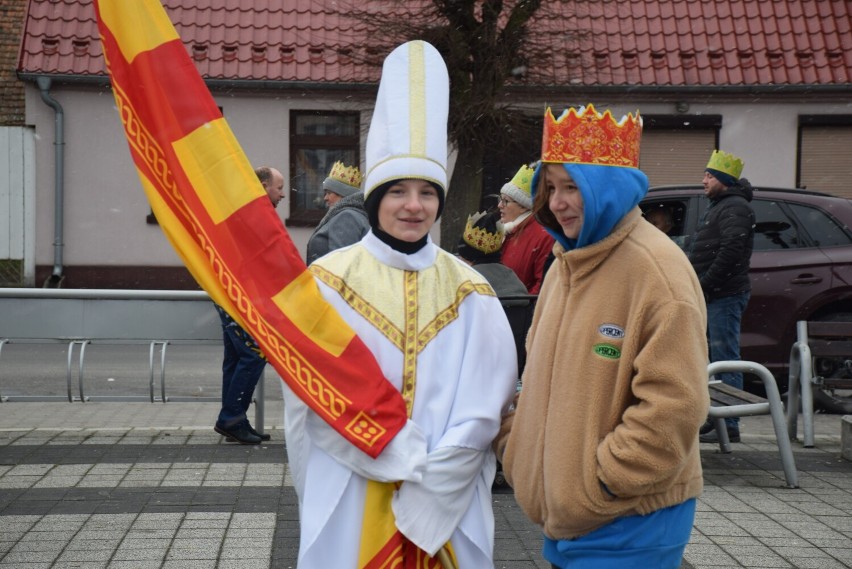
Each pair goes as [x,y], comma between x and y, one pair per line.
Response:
[676,156]
[825,159]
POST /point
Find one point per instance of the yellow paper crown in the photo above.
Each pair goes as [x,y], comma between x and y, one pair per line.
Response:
[588,137]
[480,238]
[349,175]
[523,179]
[726,163]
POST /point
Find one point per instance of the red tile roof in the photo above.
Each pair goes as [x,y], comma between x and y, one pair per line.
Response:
[677,43]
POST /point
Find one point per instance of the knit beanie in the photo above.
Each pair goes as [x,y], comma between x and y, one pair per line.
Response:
[518,188]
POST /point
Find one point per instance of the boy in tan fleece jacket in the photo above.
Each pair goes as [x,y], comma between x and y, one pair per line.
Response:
[602,449]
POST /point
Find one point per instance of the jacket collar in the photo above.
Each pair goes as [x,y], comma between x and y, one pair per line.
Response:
[584,260]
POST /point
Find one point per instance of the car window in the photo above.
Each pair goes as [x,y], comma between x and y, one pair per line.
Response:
[669,216]
[821,227]
[773,228]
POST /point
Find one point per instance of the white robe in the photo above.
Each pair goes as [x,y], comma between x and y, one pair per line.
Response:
[466,372]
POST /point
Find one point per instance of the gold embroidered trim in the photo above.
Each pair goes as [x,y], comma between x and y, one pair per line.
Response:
[451,312]
[409,341]
[360,305]
[410,350]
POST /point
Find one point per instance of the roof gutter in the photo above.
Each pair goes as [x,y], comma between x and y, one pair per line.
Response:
[56,278]
[247,84]
[266,84]
[681,90]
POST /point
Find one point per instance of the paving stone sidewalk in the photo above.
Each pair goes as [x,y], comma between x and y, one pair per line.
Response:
[144,486]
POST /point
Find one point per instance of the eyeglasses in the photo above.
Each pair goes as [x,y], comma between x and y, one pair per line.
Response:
[504,201]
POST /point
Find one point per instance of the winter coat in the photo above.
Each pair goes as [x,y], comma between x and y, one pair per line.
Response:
[343,224]
[525,251]
[720,250]
[615,385]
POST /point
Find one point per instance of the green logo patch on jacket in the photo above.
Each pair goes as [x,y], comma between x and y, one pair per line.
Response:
[607,351]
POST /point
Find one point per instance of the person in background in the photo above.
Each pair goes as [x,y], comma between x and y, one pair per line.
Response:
[345,222]
[661,218]
[243,361]
[527,244]
[602,448]
[720,253]
[480,247]
[440,337]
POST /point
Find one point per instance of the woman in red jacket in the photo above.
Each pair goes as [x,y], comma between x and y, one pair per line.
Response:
[527,244]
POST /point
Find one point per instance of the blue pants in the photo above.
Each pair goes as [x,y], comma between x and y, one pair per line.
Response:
[723,337]
[242,368]
[654,541]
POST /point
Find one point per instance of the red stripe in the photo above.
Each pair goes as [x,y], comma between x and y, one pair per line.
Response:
[166,90]
[251,252]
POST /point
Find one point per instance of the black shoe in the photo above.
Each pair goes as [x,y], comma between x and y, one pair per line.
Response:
[707,427]
[263,436]
[239,433]
[713,437]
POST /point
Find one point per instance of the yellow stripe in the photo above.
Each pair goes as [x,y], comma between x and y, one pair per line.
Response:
[378,525]
[204,264]
[187,248]
[417,98]
[218,170]
[410,351]
[301,301]
[358,303]
[124,19]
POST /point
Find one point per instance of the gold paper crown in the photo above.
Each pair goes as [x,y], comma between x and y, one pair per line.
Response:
[349,175]
[481,238]
[726,163]
[588,137]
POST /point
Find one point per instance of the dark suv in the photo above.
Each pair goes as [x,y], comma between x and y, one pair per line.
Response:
[801,269]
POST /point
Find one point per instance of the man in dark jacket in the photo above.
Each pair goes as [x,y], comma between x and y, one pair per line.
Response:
[346,221]
[720,253]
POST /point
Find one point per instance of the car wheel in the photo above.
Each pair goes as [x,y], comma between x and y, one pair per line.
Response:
[834,399]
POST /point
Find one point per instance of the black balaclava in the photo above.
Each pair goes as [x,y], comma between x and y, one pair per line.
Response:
[371,204]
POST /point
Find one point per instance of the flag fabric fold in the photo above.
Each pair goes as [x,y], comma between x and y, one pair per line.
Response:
[214,211]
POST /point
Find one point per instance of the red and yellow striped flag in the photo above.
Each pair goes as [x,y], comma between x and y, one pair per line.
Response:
[216,214]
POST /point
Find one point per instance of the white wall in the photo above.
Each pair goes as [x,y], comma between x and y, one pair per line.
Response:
[761,132]
[17,202]
[104,204]
[105,207]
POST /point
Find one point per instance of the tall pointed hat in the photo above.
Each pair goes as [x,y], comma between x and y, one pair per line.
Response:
[408,132]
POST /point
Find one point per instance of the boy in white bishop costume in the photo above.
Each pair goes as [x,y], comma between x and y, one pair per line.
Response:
[440,336]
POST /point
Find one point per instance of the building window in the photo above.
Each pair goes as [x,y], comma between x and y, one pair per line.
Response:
[824,142]
[318,139]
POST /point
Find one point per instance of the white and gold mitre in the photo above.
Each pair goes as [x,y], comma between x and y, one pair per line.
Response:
[408,131]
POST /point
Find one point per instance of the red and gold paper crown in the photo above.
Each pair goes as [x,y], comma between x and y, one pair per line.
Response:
[588,137]
[349,175]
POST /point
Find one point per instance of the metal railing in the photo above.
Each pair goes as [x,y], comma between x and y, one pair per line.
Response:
[83,317]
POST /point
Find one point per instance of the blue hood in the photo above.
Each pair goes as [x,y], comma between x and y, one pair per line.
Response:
[608,192]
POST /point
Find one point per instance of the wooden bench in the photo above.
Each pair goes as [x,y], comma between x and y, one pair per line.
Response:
[814,340]
[724,395]
[727,401]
